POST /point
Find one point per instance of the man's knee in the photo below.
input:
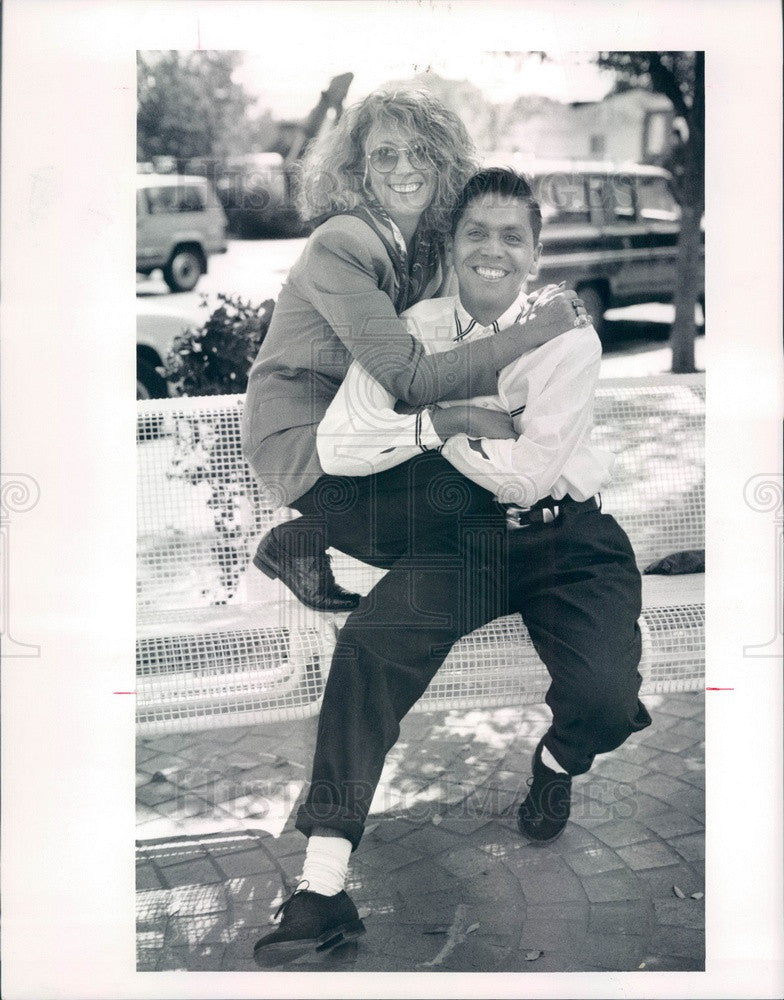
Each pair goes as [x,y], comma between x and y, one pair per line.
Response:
[613,715]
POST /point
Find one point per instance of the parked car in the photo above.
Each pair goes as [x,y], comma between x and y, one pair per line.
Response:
[610,232]
[155,334]
[257,194]
[179,223]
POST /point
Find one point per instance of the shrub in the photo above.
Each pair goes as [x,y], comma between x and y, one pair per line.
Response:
[215,358]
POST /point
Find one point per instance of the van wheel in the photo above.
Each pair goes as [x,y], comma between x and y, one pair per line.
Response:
[183,270]
[594,305]
[149,384]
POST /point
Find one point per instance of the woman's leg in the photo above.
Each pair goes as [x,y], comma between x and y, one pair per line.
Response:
[339,512]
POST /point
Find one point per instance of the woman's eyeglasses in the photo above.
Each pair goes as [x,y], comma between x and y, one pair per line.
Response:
[384,159]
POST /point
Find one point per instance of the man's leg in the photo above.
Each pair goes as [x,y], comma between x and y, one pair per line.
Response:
[580,597]
[448,581]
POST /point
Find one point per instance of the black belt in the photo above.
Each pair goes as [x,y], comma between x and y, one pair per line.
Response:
[545,511]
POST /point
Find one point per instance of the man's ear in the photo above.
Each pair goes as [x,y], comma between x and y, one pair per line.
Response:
[533,273]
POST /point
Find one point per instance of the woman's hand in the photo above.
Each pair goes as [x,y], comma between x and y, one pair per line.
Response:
[475,421]
[554,311]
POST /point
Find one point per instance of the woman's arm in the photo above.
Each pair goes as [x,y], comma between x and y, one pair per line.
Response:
[344,265]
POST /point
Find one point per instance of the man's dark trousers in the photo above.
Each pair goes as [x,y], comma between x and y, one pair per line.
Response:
[452,566]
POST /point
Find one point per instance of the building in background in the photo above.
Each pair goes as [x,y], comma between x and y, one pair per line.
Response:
[635,126]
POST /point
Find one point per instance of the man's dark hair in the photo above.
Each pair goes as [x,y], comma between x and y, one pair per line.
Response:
[502,181]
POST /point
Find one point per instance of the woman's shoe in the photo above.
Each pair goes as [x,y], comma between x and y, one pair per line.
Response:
[308,577]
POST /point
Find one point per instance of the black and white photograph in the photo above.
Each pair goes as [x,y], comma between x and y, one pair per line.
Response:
[389,584]
[354,503]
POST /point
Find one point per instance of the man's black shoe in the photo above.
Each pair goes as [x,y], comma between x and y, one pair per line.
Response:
[311,924]
[308,577]
[543,815]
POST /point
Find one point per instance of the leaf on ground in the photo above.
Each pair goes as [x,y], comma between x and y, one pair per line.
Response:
[679,892]
[472,928]
[436,819]
[369,829]
[531,956]
[364,911]
[697,895]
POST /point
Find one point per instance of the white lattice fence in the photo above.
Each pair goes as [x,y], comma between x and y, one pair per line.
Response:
[205,658]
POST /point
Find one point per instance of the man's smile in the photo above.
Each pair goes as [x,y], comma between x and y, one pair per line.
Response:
[490,273]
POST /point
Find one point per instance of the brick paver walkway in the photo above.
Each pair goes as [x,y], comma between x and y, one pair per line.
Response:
[442,877]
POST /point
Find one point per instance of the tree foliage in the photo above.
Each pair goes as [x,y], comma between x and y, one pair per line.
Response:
[680,76]
[188,104]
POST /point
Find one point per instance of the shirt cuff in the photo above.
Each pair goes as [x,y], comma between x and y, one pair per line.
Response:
[426,437]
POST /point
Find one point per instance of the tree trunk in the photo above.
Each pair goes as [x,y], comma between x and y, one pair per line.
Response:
[687,288]
[687,282]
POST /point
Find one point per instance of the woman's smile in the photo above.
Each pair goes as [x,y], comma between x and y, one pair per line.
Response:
[406,190]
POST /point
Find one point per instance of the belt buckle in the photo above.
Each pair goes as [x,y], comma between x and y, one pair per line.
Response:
[514,516]
[542,515]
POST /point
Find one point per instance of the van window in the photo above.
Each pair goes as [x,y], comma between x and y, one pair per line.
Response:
[170,200]
[562,198]
[656,200]
[612,195]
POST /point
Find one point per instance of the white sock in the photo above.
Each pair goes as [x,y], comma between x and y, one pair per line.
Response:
[551,762]
[326,864]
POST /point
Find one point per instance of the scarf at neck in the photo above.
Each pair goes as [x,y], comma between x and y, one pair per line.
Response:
[418,272]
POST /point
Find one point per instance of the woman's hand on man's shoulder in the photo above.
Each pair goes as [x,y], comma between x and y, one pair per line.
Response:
[553,312]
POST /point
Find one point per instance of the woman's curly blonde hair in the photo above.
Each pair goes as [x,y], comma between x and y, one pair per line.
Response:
[332,175]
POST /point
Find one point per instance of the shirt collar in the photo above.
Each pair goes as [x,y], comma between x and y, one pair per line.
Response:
[466,323]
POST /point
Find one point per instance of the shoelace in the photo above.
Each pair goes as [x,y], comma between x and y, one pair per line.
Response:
[535,801]
[301,887]
[538,815]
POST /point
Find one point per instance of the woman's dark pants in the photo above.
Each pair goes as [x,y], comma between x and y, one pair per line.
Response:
[452,566]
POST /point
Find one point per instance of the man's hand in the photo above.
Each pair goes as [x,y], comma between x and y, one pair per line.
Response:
[475,421]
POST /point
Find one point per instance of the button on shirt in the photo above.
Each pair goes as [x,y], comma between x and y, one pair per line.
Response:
[548,391]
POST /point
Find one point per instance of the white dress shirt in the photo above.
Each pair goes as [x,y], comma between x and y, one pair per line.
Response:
[548,391]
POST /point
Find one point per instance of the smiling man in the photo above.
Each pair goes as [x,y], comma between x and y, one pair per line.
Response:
[570,568]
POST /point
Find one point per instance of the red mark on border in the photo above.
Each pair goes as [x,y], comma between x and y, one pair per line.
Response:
[719,689]
[123,692]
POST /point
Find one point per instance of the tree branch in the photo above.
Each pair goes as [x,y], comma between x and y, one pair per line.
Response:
[664,81]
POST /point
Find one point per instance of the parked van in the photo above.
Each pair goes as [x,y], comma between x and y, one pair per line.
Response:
[179,223]
[610,232]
